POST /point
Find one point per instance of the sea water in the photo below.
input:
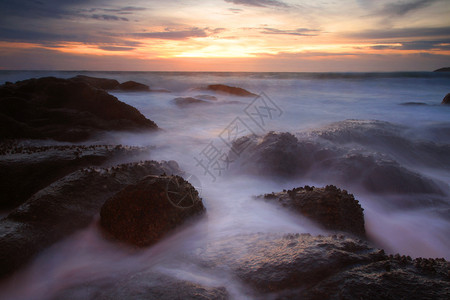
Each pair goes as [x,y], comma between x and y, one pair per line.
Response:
[402,109]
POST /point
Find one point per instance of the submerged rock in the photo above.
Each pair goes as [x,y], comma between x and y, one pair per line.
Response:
[63,109]
[63,207]
[206,97]
[446,99]
[301,266]
[414,104]
[143,213]
[132,86]
[27,169]
[186,101]
[333,208]
[237,91]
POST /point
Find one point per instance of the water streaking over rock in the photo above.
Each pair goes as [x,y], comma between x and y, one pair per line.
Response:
[352,177]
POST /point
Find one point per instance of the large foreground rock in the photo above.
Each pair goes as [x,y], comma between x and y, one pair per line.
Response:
[24,170]
[301,266]
[64,110]
[63,207]
[333,208]
[143,213]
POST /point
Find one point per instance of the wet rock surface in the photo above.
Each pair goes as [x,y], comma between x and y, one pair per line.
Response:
[144,285]
[311,155]
[236,91]
[186,101]
[99,83]
[333,208]
[143,213]
[112,84]
[64,110]
[446,99]
[445,69]
[301,266]
[25,170]
[65,206]
[132,86]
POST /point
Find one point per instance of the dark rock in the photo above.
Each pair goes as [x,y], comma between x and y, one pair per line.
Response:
[132,86]
[275,154]
[100,83]
[414,104]
[446,99]
[143,285]
[307,267]
[331,207]
[284,155]
[63,207]
[25,170]
[230,90]
[206,97]
[185,101]
[64,110]
[447,69]
[143,213]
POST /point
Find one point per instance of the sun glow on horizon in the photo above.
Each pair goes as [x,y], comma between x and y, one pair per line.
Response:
[269,34]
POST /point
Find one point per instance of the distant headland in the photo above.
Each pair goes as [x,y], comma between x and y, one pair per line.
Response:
[446,69]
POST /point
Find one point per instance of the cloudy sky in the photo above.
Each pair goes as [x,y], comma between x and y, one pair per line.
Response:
[225,35]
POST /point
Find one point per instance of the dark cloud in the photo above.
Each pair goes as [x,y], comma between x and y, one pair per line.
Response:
[259,3]
[235,10]
[108,18]
[298,31]
[115,48]
[416,45]
[32,36]
[54,9]
[174,34]
[401,33]
[124,10]
[402,8]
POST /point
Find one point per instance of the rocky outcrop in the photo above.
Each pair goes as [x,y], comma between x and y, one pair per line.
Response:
[325,157]
[133,86]
[143,213]
[99,83]
[333,208]
[143,285]
[186,101]
[112,84]
[301,266]
[27,169]
[447,69]
[236,91]
[446,99]
[63,207]
[64,110]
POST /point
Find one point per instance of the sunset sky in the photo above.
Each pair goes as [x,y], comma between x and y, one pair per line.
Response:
[225,35]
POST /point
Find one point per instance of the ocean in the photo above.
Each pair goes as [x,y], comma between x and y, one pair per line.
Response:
[384,137]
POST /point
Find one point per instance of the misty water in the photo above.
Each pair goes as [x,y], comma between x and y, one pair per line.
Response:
[396,117]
